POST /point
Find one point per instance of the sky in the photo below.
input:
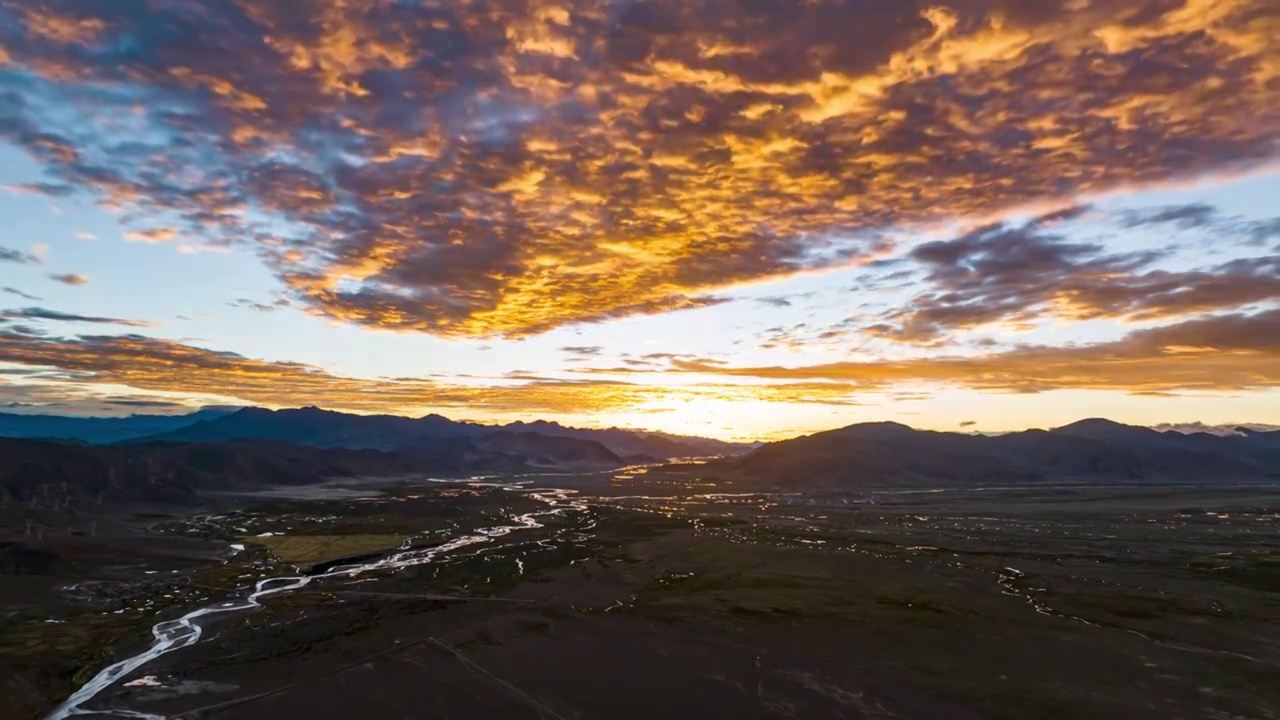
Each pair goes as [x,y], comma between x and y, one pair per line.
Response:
[746,219]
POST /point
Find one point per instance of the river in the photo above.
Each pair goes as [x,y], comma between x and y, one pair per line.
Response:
[171,635]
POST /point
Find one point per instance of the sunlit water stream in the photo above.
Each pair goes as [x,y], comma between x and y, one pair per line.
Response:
[172,635]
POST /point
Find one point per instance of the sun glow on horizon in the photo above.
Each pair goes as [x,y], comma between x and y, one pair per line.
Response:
[668,218]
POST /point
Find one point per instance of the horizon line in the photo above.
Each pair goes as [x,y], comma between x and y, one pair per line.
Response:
[232,409]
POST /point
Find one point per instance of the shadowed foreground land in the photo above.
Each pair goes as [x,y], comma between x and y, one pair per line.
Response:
[1147,602]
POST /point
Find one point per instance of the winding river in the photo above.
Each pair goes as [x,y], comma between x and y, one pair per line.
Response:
[172,635]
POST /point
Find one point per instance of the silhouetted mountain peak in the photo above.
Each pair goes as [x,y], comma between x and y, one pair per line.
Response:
[883,430]
[889,454]
[881,424]
[536,424]
[1091,425]
[1103,429]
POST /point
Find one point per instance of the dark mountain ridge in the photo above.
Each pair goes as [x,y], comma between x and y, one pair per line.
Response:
[325,428]
[62,476]
[253,448]
[1094,450]
[638,442]
[549,450]
[100,430]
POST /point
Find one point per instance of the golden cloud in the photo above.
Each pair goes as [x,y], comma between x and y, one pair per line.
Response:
[1224,353]
[1229,352]
[164,366]
[503,168]
[151,235]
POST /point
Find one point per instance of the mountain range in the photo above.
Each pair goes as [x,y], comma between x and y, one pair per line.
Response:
[99,430]
[1095,450]
[46,475]
[329,429]
[56,462]
[252,448]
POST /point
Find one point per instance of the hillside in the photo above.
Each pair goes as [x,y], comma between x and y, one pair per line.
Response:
[890,454]
[637,442]
[540,450]
[58,475]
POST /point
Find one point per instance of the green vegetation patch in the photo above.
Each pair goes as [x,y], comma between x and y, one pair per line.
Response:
[310,549]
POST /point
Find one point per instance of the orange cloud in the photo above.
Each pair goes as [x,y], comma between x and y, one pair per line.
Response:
[58,28]
[1225,353]
[1231,352]
[504,168]
[154,365]
[70,279]
[151,235]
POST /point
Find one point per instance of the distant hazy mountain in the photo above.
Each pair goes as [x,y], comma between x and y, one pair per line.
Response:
[325,428]
[637,442]
[321,428]
[99,430]
[890,454]
[541,450]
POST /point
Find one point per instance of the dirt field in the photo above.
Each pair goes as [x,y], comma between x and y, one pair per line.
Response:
[311,549]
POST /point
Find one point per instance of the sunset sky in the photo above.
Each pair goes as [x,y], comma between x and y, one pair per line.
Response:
[734,218]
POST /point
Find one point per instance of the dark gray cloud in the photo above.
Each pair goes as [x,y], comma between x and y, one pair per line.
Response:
[43,314]
[18,256]
[19,293]
[124,402]
[1058,217]
[1186,217]
[1206,218]
[1022,273]
[1262,231]
[247,304]
[775,301]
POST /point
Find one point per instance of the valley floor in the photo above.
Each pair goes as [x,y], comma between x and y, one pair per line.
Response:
[639,600]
